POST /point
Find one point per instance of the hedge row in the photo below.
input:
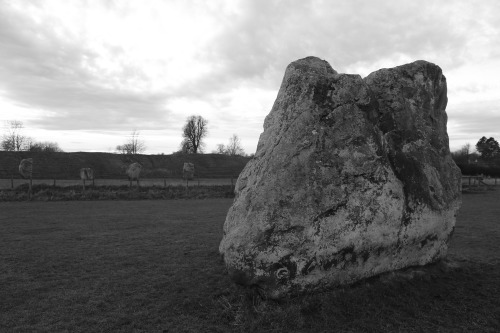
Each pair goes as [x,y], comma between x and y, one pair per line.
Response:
[476,169]
[45,192]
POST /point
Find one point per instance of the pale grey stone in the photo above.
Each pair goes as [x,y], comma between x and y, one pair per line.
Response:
[351,178]
[26,168]
[134,171]
[188,171]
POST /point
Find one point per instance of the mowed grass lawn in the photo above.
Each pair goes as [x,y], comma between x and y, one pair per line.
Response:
[153,266]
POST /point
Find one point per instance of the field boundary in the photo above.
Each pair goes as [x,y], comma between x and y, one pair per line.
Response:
[13,183]
[479,183]
[45,192]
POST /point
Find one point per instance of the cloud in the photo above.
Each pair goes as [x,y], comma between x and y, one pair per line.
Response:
[475,119]
[469,121]
[258,39]
[257,42]
[119,65]
[59,75]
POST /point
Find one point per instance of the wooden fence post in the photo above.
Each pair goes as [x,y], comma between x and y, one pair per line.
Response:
[31,186]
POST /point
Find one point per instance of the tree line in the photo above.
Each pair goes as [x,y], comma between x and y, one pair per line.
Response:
[15,140]
[194,131]
[485,160]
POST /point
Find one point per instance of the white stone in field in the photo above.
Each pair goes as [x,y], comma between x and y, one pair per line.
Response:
[134,171]
[352,177]
[86,174]
[26,168]
[188,170]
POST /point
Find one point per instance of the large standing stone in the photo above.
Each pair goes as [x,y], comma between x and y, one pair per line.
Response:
[352,177]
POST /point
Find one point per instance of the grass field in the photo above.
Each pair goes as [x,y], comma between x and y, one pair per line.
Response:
[92,266]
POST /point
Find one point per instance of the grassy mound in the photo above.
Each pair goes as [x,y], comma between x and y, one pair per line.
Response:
[113,166]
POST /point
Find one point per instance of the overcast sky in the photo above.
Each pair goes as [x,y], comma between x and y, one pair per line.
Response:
[87,73]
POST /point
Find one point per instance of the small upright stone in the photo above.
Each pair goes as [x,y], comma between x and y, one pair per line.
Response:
[188,171]
[352,177]
[26,168]
[86,174]
[134,172]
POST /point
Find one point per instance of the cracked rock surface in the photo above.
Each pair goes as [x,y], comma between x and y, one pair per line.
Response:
[352,177]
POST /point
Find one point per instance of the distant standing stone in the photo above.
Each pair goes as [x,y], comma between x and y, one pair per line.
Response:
[188,171]
[26,168]
[352,177]
[134,171]
[86,174]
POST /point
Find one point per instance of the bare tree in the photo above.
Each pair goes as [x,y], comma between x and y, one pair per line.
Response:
[134,145]
[221,149]
[45,147]
[186,147]
[193,133]
[14,140]
[465,150]
[234,146]
[462,155]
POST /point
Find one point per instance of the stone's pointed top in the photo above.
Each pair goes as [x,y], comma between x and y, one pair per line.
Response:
[312,65]
[421,63]
[419,66]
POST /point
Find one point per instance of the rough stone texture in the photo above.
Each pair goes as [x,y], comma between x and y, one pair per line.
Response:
[26,168]
[352,177]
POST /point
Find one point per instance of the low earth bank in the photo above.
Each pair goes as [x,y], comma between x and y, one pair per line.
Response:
[110,166]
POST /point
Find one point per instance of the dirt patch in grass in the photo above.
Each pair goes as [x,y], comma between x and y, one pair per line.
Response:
[154,266]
